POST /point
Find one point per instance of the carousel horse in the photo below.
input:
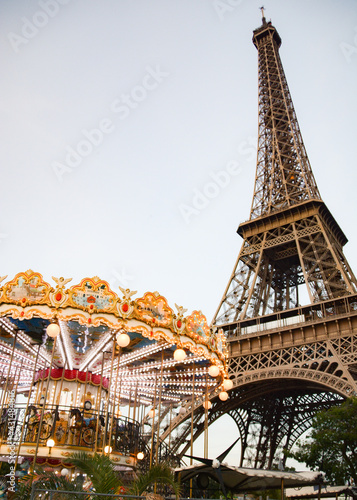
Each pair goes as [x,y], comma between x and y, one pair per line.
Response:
[33,422]
[86,426]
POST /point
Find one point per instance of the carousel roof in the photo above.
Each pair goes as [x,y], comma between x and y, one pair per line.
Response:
[91,316]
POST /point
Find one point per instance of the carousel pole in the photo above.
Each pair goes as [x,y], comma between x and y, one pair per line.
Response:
[16,382]
[2,377]
[45,396]
[142,416]
[27,406]
[153,423]
[136,434]
[107,402]
[40,388]
[115,391]
[39,384]
[170,425]
[4,394]
[99,393]
[61,385]
[205,442]
[119,393]
[135,399]
[159,411]
[129,407]
[18,378]
[54,391]
[76,396]
[84,390]
[192,407]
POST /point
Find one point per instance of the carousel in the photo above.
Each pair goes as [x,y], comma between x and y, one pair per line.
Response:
[85,369]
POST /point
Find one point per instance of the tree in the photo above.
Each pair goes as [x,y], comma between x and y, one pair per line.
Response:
[99,469]
[104,479]
[48,481]
[159,474]
[332,444]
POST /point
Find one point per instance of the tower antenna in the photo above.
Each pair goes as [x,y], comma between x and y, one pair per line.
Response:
[263,14]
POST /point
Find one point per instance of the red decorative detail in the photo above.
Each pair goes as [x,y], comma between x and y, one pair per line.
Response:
[72,375]
[53,462]
[89,320]
[91,300]
[23,300]
[58,296]
[22,313]
[179,323]
[125,308]
[82,376]
[91,306]
[153,320]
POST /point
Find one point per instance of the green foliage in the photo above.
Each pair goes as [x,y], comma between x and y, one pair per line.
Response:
[332,443]
[48,481]
[160,474]
[100,470]
[266,494]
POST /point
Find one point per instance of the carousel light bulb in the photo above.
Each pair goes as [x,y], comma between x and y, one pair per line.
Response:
[227,384]
[53,330]
[123,339]
[179,355]
[207,405]
[50,443]
[223,396]
[108,449]
[140,455]
[64,472]
[213,370]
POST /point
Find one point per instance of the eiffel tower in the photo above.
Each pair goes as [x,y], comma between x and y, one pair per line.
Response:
[286,361]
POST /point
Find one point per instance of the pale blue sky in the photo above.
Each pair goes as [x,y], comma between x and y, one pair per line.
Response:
[173,86]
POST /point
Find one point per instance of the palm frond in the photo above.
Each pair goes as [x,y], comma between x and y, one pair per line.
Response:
[160,474]
[99,469]
[49,481]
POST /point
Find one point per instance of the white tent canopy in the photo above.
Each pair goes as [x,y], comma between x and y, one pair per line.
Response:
[326,492]
[244,479]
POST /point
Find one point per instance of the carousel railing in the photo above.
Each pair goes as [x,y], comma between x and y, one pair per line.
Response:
[69,426]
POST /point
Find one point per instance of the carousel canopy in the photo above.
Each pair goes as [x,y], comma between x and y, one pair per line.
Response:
[102,336]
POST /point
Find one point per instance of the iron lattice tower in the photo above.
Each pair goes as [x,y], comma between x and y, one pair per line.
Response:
[291,237]
[290,242]
[287,361]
